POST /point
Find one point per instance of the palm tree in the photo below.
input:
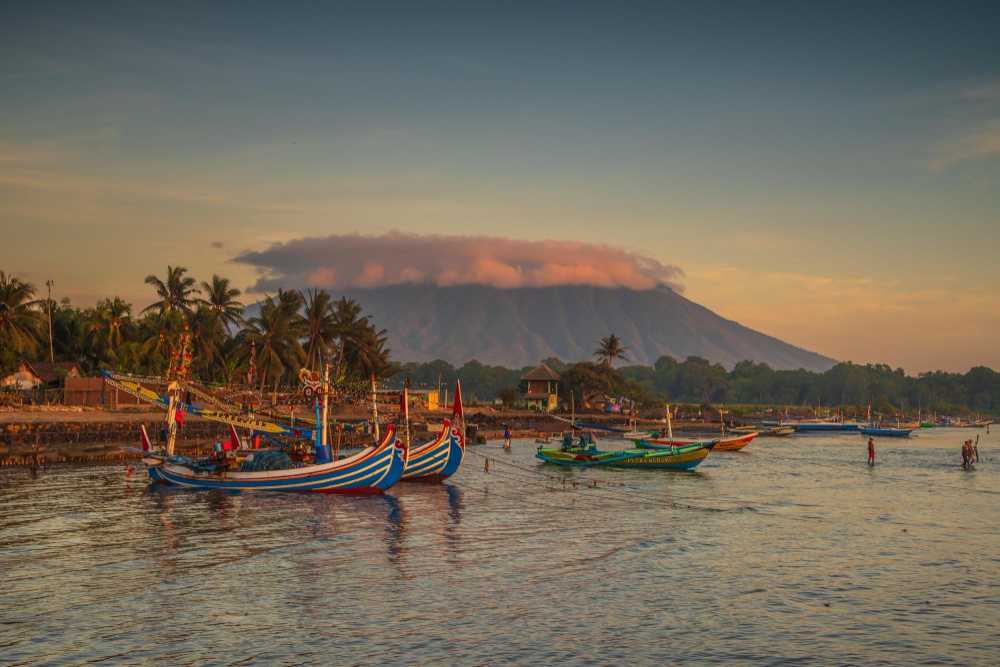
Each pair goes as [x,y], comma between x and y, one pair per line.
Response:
[610,350]
[276,333]
[20,322]
[106,327]
[321,326]
[207,339]
[222,301]
[363,349]
[176,293]
[159,332]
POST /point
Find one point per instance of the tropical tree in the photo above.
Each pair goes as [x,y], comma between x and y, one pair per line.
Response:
[176,292]
[207,340]
[276,334]
[107,327]
[321,326]
[611,350]
[363,349]
[221,299]
[20,321]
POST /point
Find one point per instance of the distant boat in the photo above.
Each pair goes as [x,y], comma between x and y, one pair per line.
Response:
[886,432]
[731,444]
[824,427]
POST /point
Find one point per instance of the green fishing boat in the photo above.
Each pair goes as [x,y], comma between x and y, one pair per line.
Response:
[674,458]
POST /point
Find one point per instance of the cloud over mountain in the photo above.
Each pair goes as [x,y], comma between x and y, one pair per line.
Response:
[355,260]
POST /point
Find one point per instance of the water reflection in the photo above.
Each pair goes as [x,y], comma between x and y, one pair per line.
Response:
[96,565]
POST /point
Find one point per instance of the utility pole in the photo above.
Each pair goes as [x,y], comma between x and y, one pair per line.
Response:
[52,353]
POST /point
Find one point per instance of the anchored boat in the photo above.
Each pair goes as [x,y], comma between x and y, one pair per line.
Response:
[371,471]
[678,458]
[886,432]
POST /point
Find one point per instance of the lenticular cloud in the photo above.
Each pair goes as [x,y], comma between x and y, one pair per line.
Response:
[353,260]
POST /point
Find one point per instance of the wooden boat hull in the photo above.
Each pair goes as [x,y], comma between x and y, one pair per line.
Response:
[685,458]
[371,471]
[725,444]
[886,432]
[824,427]
[437,460]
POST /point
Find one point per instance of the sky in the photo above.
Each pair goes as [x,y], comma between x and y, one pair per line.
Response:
[829,175]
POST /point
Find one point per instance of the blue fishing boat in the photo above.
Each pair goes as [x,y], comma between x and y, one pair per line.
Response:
[439,459]
[886,432]
[371,471]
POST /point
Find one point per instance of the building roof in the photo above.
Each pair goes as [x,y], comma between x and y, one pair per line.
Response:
[51,372]
[541,373]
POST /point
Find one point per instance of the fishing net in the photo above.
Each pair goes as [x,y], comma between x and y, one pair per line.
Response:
[261,461]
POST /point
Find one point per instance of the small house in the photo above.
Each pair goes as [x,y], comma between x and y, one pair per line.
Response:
[540,387]
[35,374]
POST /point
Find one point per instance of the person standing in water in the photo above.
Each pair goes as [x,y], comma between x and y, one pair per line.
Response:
[506,436]
[871,451]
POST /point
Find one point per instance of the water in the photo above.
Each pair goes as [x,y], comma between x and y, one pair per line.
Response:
[791,552]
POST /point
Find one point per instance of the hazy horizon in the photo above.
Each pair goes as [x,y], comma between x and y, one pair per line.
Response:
[826,176]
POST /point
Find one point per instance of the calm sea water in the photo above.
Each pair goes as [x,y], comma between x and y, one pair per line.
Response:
[793,551]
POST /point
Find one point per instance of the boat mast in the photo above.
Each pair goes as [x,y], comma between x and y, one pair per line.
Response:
[670,424]
[324,436]
[171,418]
[375,429]
[406,412]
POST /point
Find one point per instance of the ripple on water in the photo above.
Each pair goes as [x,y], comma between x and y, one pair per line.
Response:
[796,554]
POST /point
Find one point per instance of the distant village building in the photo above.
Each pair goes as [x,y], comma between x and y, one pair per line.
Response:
[425,399]
[540,386]
[36,374]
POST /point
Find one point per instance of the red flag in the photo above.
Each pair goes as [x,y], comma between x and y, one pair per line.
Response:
[234,438]
[144,437]
[457,412]
[179,417]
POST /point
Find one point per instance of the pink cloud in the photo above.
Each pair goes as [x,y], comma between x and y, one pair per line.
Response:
[354,260]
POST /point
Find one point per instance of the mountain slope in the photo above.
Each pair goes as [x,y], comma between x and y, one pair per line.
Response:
[518,327]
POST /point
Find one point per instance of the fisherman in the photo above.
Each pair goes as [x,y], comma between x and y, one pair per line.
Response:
[567,441]
[506,436]
[871,451]
[966,454]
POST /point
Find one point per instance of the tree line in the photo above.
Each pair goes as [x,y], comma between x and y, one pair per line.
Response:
[696,380]
[292,329]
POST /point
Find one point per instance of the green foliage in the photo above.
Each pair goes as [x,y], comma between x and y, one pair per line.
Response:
[611,350]
[695,380]
[109,336]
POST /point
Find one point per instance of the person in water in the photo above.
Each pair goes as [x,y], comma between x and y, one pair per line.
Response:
[966,455]
[871,451]
[506,436]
